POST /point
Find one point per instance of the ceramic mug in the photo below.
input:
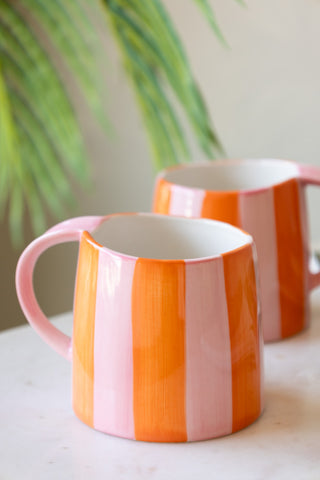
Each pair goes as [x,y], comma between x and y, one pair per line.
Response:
[166,342]
[267,199]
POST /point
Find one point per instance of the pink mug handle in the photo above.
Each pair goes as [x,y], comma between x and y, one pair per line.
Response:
[310,175]
[67,231]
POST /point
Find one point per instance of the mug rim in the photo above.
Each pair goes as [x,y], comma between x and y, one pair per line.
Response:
[227,161]
[247,238]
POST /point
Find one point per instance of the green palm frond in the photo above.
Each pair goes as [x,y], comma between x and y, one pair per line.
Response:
[157,65]
[41,144]
[71,40]
[10,165]
[208,12]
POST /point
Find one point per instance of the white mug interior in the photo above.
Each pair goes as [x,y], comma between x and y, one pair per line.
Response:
[233,175]
[165,237]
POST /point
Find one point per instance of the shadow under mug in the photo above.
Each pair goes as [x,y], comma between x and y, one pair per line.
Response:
[166,342]
[266,198]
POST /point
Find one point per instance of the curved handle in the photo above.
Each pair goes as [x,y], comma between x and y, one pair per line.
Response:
[310,175]
[67,231]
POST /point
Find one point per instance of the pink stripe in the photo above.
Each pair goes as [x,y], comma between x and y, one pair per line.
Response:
[258,218]
[208,362]
[113,370]
[305,237]
[186,201]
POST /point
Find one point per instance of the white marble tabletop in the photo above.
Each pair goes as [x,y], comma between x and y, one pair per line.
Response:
[40,437]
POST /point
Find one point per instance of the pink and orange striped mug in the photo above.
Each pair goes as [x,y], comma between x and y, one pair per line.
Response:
[267,199]
[166,342]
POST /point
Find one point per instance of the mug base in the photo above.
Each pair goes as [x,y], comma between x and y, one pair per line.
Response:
[126,435]
[276,339]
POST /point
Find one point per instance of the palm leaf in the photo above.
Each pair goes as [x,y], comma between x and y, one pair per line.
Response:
[11,176]
[209,14]
[7,140]
[40,139]
[72,45]
[41,144]
[150,94]
[148,42]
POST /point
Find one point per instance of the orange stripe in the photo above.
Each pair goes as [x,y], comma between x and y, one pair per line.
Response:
[162,197]
[290,257]
[83,330]
[221,206]
[158,333]
[241,295]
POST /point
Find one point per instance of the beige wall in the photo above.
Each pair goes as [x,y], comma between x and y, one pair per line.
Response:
[263,93]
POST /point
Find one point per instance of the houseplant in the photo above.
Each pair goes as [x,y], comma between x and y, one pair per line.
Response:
[41,144]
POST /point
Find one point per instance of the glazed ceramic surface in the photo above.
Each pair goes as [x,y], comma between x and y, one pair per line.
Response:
[166,341]
[267,199]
